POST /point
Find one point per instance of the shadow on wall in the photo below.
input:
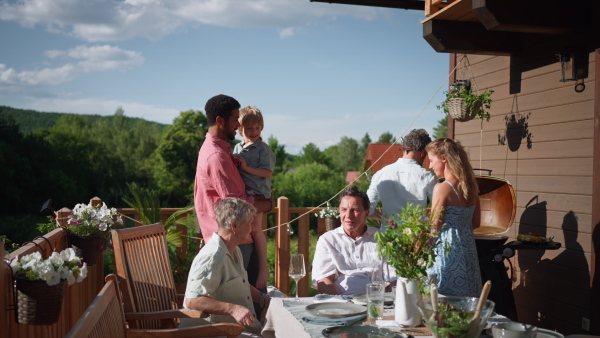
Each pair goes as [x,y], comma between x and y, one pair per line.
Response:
[517,130]
[541,295]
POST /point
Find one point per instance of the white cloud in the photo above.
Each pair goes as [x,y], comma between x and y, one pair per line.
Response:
[98,20]
[92,59]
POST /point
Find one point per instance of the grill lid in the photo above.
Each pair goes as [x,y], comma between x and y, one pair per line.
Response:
[498,205]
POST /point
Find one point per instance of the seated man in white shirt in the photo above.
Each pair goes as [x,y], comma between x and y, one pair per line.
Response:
[346,258]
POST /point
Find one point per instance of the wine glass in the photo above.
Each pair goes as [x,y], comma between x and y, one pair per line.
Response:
[297,269]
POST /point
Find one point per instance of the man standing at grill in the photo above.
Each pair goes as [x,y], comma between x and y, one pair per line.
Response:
[403,182]
[217,176]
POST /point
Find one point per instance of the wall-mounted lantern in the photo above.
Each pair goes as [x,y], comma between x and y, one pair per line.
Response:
[573,67]
[567,66]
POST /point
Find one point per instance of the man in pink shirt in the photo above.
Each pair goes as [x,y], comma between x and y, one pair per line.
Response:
[217,177]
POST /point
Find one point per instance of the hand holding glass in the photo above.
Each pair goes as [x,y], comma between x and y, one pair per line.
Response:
[297,269]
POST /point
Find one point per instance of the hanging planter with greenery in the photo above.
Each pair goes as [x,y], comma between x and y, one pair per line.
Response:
[464,105]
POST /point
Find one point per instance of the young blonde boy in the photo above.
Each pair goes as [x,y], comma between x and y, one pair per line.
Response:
[256,164]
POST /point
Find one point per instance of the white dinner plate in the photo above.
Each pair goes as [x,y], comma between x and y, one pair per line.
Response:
[358,332]
[361,298]
[541,333]
[545,333]
[335,310]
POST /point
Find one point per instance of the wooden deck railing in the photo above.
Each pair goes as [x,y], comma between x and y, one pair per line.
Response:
[76,300]
[79,296]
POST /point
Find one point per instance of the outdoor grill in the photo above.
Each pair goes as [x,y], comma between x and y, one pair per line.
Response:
[498,209]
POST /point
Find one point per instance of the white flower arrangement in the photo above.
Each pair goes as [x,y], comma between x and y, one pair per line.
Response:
[88,220]
[59,266]
[329,212]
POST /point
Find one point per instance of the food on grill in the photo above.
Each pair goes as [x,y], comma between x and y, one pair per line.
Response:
[534,238]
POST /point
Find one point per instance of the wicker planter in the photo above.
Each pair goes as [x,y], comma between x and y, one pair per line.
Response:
[37,302]
[332,223]
[459,111]
[87,247]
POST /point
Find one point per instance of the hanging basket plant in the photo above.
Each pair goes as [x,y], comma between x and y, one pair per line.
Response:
[40,285]
[464,105]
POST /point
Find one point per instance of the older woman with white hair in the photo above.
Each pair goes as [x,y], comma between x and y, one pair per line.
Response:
[217,282]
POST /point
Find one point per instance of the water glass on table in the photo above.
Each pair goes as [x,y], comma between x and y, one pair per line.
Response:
[375,300]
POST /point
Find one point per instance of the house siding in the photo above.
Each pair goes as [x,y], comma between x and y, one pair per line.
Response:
[549,162]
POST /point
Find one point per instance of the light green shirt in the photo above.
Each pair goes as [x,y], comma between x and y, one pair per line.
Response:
[215,274]
[257,155]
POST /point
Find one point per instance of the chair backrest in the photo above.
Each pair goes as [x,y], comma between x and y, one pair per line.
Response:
[144,272]
[103,318]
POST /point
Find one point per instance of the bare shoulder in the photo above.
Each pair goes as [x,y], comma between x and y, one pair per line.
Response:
[442,189]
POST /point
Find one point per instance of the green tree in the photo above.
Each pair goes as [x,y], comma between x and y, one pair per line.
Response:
[311,154]
[345,155]
[308,184]
[386,137]
[441,130]
[364,144]
[177,156]
[281,157]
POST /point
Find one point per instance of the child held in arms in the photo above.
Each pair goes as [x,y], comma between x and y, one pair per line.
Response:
[256,162]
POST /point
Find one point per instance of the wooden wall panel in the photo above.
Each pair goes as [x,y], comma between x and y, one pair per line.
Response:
[552,288]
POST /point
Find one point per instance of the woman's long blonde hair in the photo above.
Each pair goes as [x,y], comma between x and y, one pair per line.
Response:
[457,162]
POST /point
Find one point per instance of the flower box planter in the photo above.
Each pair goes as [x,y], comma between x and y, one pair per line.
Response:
[37,302]
[87,247]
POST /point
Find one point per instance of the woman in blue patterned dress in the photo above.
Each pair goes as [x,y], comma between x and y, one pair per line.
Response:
[458,272]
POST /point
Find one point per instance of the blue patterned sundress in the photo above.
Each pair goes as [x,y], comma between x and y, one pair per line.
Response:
[458,273]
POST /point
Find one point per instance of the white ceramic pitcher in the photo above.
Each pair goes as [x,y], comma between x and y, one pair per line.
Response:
[407,296]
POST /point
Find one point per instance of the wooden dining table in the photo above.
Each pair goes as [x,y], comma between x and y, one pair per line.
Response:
[285,321]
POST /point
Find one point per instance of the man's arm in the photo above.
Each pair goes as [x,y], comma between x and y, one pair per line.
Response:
[327,285]
[206,304]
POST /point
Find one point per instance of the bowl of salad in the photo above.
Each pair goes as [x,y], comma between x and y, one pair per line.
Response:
[454,316]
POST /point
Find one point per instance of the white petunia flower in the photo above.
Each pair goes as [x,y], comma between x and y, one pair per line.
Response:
[407,231]
[52,277]
[71,278]
[63,272]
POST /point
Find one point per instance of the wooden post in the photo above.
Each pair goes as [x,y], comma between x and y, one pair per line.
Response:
[282,250]
[96,201]
[595,245]
[61,216]
[303,240]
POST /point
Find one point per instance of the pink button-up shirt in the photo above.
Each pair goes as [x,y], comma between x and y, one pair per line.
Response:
[217,178]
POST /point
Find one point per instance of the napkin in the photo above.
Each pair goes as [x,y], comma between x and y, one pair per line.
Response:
[346,321]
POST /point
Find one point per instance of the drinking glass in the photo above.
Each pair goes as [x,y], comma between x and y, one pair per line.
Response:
[297,269]
[375,300]
[379,277]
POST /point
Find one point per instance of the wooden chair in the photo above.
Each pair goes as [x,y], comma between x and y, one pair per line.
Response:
[146,280]
[105,318]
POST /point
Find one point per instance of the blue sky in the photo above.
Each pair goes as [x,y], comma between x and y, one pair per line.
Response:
[317,71]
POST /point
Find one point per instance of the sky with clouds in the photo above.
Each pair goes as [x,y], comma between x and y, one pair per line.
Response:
[317,71]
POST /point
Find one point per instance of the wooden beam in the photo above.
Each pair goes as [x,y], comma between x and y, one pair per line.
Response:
[549,17]
[595,262]
[469,38]
[401,4]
